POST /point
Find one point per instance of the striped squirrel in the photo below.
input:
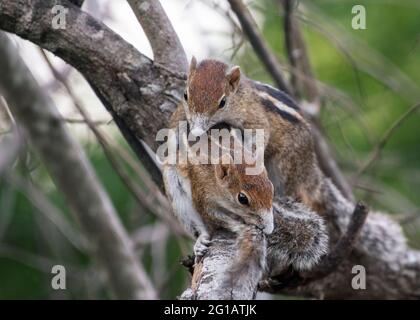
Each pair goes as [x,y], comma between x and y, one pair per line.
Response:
[206,197]
[218,94]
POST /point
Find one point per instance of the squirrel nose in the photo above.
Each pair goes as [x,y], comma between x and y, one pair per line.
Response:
[196,131]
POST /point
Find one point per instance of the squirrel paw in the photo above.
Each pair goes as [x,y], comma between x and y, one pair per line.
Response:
[201,246]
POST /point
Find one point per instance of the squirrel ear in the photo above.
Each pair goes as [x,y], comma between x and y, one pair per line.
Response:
[233,76]
[224,168]
[222,172]
[193,65]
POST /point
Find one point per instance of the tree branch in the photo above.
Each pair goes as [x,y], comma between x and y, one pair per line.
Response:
[384,139]
[69,168]
[266,56]
[166,46]
[10,148]
[303,82]
[49,210]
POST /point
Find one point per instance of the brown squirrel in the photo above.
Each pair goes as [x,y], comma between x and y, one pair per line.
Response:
[218,94]
[298,242]
[206,197]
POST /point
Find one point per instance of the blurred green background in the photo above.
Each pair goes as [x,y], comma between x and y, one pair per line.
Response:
[368,79]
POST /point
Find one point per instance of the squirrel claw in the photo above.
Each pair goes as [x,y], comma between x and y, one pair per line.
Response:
[201,247]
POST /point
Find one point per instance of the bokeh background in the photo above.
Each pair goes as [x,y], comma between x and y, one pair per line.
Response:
[367,79]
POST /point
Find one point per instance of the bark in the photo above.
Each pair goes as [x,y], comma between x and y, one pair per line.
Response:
[210,281]
[73,175]
[141,96]
[302,80]
[166,46]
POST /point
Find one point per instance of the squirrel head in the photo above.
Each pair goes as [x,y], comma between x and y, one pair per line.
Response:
[210,86]
[250,197]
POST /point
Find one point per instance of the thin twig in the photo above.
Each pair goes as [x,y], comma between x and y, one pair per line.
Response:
[10,149]
[303,87]
[83,121]
[344,246]
[51,212]
[35,261]
[361,56]
[384,139]
[260,46]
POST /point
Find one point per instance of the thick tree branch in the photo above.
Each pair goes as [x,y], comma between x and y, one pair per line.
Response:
[166,46]
[70,169]
[392,268]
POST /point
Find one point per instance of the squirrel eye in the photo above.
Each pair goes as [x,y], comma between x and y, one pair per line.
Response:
[222,102]
[185,96]
[243,199]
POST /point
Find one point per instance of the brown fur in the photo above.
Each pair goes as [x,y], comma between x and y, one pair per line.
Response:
[288,138]
[207,189]
[209,76]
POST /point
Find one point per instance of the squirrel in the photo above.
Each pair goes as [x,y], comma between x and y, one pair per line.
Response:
[301,237]
[298,242]
[209,196]
[226,197]
[218,94]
